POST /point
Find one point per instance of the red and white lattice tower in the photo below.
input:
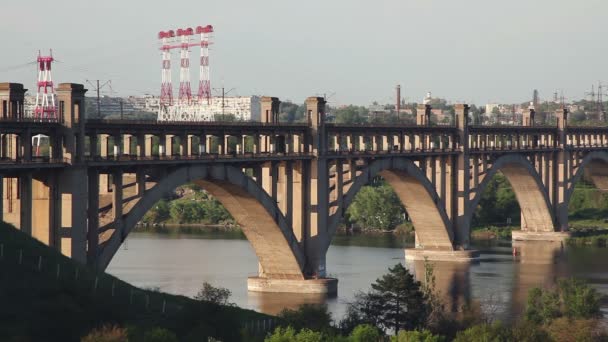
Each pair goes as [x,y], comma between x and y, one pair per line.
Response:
[204,87]
[185,92]
[166,88]
[45,108]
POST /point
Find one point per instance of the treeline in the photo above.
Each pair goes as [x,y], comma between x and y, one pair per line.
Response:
[377,207]
[190,204]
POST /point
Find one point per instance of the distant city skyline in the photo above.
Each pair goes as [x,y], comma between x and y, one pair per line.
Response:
[471,51]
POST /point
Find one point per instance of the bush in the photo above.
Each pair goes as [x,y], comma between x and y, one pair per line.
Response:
[529,332]
[417,336]
[365,333]
[579,330]
[572,298]
[311,316]
[216,295]
[107,333]
[160,335]
[289,334]
[485,333]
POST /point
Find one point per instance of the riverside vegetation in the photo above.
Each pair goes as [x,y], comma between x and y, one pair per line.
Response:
[377,209]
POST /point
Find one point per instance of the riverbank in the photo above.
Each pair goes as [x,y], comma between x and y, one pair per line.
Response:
[47,296]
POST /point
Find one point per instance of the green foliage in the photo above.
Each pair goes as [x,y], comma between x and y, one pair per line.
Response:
[186,211]
[579,300]
[289,334]
[529,332]
[542,306]
[497,203]
[417,336]
[197,208]
[572,298]
[376,207]
[107,333]
[395,302]
[311,316]
[160,335]
[159,213]
[365,333]
[485,333]
[216,295]
[351,115]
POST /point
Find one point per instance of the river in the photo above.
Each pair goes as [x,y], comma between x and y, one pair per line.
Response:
[498,284]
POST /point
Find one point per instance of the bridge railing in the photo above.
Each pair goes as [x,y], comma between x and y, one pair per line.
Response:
[204,156]
[192,123]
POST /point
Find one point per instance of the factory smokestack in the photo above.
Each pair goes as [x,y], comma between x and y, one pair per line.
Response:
[398,103]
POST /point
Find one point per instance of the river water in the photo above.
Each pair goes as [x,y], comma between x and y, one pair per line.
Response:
[498,284]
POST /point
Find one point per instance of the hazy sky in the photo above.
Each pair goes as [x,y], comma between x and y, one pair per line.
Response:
[466,50]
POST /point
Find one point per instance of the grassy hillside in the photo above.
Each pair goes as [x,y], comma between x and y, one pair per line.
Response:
[45,296]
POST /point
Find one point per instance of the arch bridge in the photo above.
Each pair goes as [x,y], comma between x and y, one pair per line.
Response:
[287,185]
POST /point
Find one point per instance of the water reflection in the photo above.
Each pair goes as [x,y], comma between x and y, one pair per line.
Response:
[452,282]
[273,303]
[497,285]
[537,264]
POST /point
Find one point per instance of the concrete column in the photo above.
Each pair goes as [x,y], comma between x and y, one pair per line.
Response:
[117,200]
[42,210]
[93,217]
[126,144]
[462,227]
[25,187]
[140,181]
[149,144]
[169,149]
[317,239]
[141,146]
[73,208]
[562,173]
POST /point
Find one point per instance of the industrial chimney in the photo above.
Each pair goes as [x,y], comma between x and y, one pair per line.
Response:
[398,103]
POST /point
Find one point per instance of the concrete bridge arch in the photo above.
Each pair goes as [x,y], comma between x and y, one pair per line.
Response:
[595,166]
[417,194]
[271,237]
[536,210]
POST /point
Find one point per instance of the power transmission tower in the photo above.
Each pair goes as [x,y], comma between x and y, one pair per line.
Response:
[97,89]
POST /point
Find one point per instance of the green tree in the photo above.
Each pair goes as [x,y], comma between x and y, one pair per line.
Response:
[497,203]
[365,333]
[542,306]
[376,207]
[289,334]
[572,298]
[311,316]
[217,295]
[159,213]
[396,301]
[417,336]
[215,212]
[351,115]
[485,333]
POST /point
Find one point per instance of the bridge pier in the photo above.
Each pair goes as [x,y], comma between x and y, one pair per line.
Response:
[458,256]
[324,286]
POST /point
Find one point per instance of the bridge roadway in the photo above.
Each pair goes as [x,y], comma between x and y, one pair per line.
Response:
[287,185]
